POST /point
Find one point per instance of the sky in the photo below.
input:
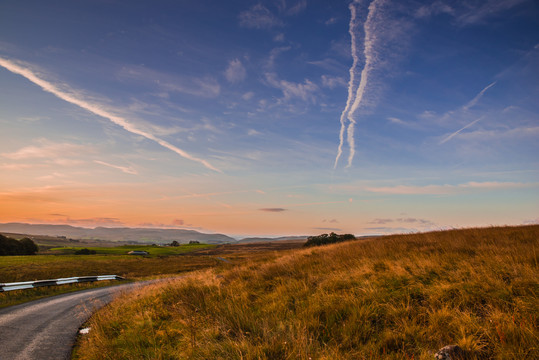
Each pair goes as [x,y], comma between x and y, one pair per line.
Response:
[269,118]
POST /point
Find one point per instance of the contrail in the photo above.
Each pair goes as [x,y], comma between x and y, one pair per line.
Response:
[95,109]
[449,137]
[477,97]
[351,82]
[370,58]
[355,98]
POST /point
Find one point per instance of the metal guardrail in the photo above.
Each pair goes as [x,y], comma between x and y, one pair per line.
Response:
[61,281]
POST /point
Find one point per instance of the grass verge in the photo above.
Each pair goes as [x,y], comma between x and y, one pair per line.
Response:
[396,297]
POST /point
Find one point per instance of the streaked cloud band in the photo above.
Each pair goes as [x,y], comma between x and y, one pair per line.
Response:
[94,108]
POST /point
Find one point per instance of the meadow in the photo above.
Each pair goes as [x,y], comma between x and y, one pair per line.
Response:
[113,260]
[392,297]
[59,262]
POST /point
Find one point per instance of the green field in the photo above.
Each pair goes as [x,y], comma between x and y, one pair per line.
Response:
[124,249]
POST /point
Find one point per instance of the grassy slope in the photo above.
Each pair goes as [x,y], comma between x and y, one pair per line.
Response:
[398,297]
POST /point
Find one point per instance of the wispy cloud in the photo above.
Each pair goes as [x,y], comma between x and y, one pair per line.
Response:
[204,86]
[272,209]
[331,21]
[435,8]
[450,136]
[477,14]
[298,7]
[333,221]
[47,150]
[449,189]
[305,91]
[125,169]
[465,12]
[327,229]
[259,17]
[76,99]
[422,222]
[93,221]
[235,71]
[333,81]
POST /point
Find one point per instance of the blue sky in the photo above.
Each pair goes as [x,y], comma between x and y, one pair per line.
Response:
[270,117]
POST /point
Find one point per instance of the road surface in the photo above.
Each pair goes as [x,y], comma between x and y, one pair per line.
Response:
[47,328]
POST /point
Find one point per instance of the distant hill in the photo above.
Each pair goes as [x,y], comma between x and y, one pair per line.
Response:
[143,235]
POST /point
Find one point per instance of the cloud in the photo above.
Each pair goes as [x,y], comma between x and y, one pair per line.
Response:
[467,13]
[274,53]
[253,132]
[422,222]
[279,37]
[235,72]
[272,209]
[514,133]
[99,221]
[437,7]
[333,81]
[478,14]
[259,17]
[332,221]
[48,150]
[297,8]
[381,221]
[127,170]
[449,189]
[397,121]
[178,222]
[305,91]
[327,229]
[85,222]
[206,86]
[331,21]
[71,97]
[248,95]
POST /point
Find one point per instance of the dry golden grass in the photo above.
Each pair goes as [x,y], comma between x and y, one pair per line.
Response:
[396,297]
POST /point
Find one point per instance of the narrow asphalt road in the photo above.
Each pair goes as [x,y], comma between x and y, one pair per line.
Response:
[47,328]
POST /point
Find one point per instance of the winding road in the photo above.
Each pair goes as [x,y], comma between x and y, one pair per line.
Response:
[47,328]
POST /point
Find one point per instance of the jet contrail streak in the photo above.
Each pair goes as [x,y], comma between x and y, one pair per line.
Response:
[351,82]
[477,97]
[370,58]
[356,96]
[458,131]
[95,109]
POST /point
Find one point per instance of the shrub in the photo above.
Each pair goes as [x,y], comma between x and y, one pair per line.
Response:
[325,239]
[85,251]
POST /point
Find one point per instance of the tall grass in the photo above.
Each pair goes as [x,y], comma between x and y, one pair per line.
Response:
[396,297]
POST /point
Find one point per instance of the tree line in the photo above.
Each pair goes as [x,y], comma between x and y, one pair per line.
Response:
[9,246]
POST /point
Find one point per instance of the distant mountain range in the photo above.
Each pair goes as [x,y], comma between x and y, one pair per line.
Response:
[142,235]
